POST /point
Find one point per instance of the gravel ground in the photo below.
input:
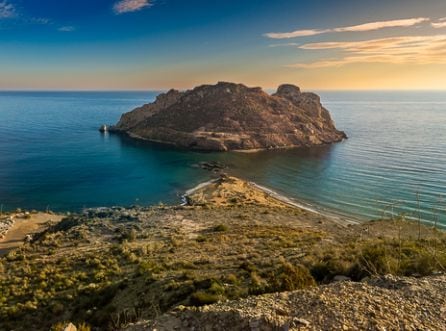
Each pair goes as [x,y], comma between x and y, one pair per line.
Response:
[385,303]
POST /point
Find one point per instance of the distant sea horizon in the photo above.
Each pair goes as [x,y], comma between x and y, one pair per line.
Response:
[269,90]
[52,155]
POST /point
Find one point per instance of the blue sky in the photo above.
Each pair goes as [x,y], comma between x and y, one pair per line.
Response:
[142,44]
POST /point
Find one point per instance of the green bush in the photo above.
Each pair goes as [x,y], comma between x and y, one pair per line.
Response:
[329,267]
[380,257]
[130,235]
[201,298]
[290,277]
[221,228]
[201,239]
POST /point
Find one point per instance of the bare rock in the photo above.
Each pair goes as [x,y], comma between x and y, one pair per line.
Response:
[340,278]
[230,116]
[70,327]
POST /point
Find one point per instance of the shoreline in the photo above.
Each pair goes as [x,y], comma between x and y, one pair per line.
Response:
[333,216]
[136,137]
[302,205]
[24,226]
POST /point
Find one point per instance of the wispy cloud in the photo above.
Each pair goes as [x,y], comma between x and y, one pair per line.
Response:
[128,6]
[7,10]
[295,34]
[396,50]
[67,28]
[440,24]
[38,21]
[284,45]
[354,28]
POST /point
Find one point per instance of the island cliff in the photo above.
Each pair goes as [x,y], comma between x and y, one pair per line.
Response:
[229,116]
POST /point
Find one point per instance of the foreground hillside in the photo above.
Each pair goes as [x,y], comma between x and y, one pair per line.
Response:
[231,116]
[109,268]
[381,303]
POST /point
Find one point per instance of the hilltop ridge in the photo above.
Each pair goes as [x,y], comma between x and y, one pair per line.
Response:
[229,116]
[218,262]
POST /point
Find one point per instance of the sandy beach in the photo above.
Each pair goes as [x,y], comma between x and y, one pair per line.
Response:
[333,216]
[22,227]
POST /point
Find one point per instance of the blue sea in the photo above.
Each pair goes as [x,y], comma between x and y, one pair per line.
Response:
[52,156]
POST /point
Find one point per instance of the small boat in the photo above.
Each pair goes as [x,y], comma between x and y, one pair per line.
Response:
[103,128]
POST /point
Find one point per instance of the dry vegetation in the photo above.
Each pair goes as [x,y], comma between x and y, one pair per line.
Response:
[110,267]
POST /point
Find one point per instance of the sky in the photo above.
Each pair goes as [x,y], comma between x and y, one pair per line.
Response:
[161,44]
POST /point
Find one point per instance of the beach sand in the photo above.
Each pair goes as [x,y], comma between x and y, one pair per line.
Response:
[22,227]
[232,190]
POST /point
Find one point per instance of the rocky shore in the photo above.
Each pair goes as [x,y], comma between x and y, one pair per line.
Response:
[229,116]
[6,222]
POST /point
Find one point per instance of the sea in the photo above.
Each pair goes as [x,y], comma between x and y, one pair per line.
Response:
[52,156]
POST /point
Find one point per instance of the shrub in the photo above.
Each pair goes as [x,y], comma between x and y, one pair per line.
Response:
[232,279]
[376,259]
[216,288]
[128,236]
[201,239]
[248,266]
[201,298]
[289,277]
[329,267]
[148,268]
[83,327]
[221,228]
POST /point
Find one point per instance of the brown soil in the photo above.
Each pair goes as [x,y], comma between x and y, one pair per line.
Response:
[37,222]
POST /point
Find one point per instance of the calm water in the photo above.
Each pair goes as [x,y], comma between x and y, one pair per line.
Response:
[51,154]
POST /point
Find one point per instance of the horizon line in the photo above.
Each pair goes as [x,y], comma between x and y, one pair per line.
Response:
[184,89]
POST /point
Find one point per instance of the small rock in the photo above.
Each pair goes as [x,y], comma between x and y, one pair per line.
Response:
[341,278]
[281,312]
[300,321]
[70,327]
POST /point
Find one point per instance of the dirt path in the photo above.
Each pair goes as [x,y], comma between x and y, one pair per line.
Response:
[22,227]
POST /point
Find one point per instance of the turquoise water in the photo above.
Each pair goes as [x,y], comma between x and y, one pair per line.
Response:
[51,154]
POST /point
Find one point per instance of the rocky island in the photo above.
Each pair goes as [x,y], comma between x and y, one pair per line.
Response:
[229,116]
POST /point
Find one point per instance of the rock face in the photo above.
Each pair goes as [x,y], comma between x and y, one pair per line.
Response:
[231,116]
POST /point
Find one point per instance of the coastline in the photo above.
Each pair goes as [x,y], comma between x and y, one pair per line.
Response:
[292,202]
[136,137]
[233,236]
[24,226]
[333,216]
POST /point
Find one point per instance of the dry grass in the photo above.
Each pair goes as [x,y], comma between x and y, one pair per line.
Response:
[111,268]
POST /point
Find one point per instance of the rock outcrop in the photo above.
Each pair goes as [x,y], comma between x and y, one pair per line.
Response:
[231,116]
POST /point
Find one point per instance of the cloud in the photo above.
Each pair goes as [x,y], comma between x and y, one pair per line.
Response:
[440,24]
[382,25]
[294,34]
[67,28]
[39,21]
[7,10]
[128,6]
[395,50]
[284,45]
[354,28]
